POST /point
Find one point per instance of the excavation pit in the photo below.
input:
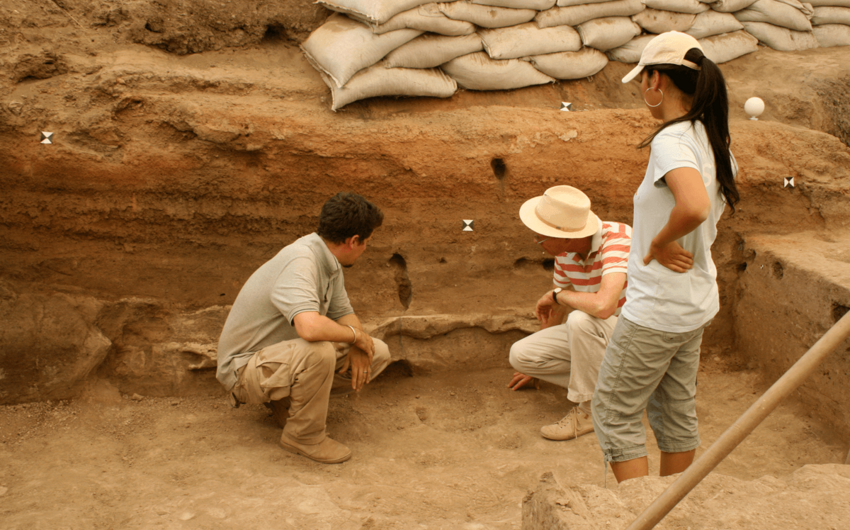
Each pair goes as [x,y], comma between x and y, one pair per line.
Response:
[186,152]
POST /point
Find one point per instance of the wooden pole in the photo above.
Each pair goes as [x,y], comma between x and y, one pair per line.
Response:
[739,430]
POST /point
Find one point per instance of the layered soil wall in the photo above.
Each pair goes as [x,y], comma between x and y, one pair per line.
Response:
[171,177]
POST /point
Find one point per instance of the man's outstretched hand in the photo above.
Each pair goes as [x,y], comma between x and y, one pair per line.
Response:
[519,380]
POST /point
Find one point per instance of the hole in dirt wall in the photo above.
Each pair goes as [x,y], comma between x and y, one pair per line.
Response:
[402,280]
[472,348]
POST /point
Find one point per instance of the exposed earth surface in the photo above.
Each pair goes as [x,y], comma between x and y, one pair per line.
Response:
[192,140]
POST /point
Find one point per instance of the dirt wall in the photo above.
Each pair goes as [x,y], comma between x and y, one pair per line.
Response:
[173,175]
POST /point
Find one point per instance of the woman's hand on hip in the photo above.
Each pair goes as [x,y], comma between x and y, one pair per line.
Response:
[671,255]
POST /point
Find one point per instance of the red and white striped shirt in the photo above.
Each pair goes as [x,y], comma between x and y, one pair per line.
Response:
[609,252]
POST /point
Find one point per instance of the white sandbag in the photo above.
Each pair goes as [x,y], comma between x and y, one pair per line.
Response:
[568,3]
[575,15]
[477,71]
[713,23]
[380,81]
[831,15]
[678,6]
[427,17]
[487,16]
[782,39]
[776,13]
[836,3]
[570,65]
[341,47]
[608,33]
[630,51]
[537,5]
[375,11]
[830,35]
[528,39]
[430,51]
[657,21]
[724,48]
[805,8]
[730,6]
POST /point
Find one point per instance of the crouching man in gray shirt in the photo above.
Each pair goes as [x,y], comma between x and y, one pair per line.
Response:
[292,338]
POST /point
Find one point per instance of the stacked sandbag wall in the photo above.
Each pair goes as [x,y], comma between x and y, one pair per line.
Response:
[417,48]
[831,22]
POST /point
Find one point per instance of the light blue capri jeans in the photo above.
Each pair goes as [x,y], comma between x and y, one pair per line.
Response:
[647,369]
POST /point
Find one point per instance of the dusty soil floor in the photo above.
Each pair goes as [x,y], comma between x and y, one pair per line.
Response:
[439,451]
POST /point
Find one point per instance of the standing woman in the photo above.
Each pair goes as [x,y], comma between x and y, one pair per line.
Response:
[652,359]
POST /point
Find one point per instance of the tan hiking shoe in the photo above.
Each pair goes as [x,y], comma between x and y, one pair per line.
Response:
[573,425]
[326,452]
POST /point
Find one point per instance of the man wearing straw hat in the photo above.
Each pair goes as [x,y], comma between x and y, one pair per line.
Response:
[591,259]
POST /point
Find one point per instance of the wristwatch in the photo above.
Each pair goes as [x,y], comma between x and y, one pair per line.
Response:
[555,294]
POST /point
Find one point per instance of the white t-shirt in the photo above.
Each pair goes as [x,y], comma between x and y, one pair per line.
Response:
[657,297]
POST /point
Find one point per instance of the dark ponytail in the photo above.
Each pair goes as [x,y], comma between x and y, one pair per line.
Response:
[711,107]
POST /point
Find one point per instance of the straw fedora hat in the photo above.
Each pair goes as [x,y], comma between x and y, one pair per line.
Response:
[562,211]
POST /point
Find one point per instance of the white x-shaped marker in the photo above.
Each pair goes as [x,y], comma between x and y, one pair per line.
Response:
[789,181]
[46,138]
[467,225]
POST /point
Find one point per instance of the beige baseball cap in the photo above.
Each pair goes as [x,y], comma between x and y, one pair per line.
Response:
[562,211]
[667,48]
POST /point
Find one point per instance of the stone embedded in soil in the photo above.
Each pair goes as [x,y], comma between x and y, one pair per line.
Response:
[813,497]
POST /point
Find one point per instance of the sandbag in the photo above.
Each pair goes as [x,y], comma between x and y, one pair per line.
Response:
[713,23]
[426,17]
[477,71]
[537,5]
[570,65]
[724,48]
[657,21]
[782,39]
[608,32]
[528,39]
[430,51]
[487,16]
[678,6]
[380,81]
[835,3]
[831,15]
[374,11]
[568,3]
[575,15]
[776,13]
[730,6]
[829,35]
[341,47]
[630,51]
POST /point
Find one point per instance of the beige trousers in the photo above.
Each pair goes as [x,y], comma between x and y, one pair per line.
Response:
[304,372]
[568,355]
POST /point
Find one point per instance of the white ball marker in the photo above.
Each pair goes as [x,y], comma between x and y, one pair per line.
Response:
[754,107]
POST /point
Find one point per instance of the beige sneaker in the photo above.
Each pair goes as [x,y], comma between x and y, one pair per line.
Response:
[573,425]
[326,452]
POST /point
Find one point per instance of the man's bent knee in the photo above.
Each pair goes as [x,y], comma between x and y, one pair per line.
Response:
[579,321]
[321,353]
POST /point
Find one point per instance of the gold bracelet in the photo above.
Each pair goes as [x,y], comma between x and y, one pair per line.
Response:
[355,334]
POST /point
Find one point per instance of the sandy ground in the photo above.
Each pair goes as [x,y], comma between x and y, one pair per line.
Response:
[439,451]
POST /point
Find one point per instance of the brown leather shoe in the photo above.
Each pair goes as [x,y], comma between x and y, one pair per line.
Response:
[573,425]
[326,452]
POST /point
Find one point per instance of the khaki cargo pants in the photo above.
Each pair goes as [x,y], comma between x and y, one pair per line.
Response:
[304,372]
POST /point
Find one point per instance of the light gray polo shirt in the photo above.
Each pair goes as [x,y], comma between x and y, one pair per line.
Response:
[304,276]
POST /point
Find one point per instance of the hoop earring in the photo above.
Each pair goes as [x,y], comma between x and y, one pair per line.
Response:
[647,102]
